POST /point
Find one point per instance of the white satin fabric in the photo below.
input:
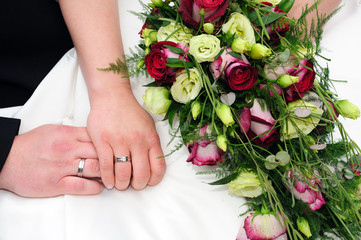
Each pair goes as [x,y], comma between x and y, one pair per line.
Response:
[182,206]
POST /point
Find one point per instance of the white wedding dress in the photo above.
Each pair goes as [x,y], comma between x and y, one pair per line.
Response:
[182,206]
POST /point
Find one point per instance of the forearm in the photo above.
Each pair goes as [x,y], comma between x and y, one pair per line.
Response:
[95,30]
[325,7]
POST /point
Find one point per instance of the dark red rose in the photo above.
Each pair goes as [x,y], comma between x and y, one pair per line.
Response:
[213,10]
[239,74]
[306,75]
[156,62]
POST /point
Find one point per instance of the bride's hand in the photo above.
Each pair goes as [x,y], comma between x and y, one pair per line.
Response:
[44,163]
[120,127]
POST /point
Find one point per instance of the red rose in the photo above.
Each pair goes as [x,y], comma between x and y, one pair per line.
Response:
[306,75]
[156,62]
[239,74]
[213,10]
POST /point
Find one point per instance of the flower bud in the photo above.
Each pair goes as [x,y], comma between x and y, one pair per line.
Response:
[196,109]
[158,3]
[153,36]
[259,51]
[151,5]
[240,45]
[208,28]
[140,64]
[286,80]
[347,109]
[148,41]
[156,100]
[147,50]
[201,12]
[222,142]
[146,32]
[224,113]
[303,226]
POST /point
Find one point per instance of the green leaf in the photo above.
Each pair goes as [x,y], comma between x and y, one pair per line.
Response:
[269,18]
[172,112]
[236,55]
[225,180]
[152,84]
[175,49]
[286,5]
[173,60]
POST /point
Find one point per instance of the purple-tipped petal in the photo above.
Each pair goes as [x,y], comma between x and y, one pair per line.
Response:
[261,115]
[245,120]
[318,147]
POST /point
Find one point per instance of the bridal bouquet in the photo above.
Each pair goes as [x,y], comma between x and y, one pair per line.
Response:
[243,81]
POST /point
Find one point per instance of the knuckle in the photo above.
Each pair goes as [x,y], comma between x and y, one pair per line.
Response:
[61,146]
[141,175]
[123,175]
[106,163]
[135,137]
[93,166]
[153,138]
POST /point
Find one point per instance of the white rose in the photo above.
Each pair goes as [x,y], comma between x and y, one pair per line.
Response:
[174,33]
[185,89]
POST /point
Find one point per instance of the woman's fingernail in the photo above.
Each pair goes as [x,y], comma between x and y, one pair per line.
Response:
[110,186]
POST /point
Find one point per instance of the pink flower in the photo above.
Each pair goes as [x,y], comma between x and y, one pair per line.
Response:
[213,10]
[237,73]
[258,124]
[271,89]
[204,152]
[263,227]
[305,190]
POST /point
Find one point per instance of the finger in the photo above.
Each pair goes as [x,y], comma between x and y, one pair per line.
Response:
[85,150]
[105,156]
[140,164]
[122,170]
[157,164]
[91,168]
[79,186]
[82,134]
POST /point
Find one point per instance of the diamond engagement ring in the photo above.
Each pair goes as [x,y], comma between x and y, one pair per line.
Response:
[122,159]
[81,167]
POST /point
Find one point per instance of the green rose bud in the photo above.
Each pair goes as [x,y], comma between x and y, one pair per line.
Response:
[158,3]
[174,33]
[208,28]
[240,45]
[222,142]
[286,80]
[241,26]
[156,100]
[247,184]
[224,113]
[196,109]
[204,48]
[347,109]
[185,89]
[304,226]
[151,5]
[259,51]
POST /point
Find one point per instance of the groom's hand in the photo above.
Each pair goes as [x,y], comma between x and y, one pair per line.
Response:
[44,163]
[120,127]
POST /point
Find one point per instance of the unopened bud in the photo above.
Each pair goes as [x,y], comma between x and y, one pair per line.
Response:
[196,109]
[286,80]
[158,3]
[208,28]
[222,142]
[259,51]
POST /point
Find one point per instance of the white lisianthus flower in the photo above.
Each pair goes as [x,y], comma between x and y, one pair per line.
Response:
[247,184]
[204,47]
[185,89]
[295,124]
[156,100]
[240,25]
[178,33]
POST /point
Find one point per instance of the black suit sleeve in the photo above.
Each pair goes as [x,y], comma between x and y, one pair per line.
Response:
[9,128]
